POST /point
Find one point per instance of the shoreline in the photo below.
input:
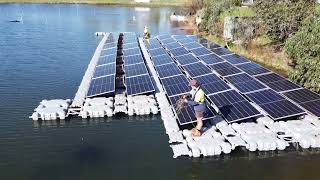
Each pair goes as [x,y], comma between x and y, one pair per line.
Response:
[94,2]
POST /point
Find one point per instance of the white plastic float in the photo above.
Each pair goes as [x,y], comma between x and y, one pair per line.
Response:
[97,107]
[120,104]
[142,105]
[51,109]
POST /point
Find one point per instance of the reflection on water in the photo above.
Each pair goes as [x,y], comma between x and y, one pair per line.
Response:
[46,56]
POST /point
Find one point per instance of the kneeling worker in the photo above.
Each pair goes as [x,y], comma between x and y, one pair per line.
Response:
[197,100]
[146,34]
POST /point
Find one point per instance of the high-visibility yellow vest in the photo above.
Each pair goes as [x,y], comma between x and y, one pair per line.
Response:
[198,95]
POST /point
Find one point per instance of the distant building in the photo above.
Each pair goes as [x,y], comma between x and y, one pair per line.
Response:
[142,1]
[247,2]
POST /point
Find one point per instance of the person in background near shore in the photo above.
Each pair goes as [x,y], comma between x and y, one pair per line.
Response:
[146,34]
[197,100]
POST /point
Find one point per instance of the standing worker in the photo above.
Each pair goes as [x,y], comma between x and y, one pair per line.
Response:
[146,34]
[197,100]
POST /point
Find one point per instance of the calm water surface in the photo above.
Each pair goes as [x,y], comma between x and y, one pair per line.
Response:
[46,56]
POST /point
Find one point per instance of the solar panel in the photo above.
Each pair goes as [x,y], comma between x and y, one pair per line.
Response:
[245,83]
[235,59]
[157,52]
[164,36]
[197,69]
[109,45]
[153,44]
[105,70]
[161,59]
[210,59]
[214,87]
[139,85]
[193,37]
[135,69]
[172,45]
[186,40]
[167,70]
[129,52]
[200,51]
[192,45]
[134,59]
[168,40]
[175,85]
[187,115]
[275,105]
[129,40]
[179,36]
[306,99]
[225,68]
[186,59]
[221,51]
[252,68]
[214,46]
[107,59]
[277,82]
[179,51]
[208,78]
[101,86]
[130,46]
[233,106]
[106,52]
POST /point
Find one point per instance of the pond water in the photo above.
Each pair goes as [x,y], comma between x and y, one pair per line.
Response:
[46,56]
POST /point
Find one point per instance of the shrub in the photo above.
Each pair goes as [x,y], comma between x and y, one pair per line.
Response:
[282,18]
[304,48]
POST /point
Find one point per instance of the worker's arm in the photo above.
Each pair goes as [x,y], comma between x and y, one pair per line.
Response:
[192,103]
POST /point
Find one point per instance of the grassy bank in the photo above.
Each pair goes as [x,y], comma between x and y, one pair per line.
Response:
[153,3]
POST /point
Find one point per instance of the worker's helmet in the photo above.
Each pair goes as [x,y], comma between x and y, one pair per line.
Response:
[194,83]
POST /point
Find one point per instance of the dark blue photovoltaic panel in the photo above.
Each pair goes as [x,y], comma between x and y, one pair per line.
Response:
[157,52]
[172,45]
[136,69]
[179,51]
[131,45]
[109,45]
[233,106]
[306,99]
[110,51]
[168,40]
[264,97]
[164,36]
[200,51]
[226,98]
[186,41]
[175,85]
[134,59]
[106,59]
[193,37]
[214,87]
[192,45]
[179,36]
[167,70]
[105,70]
[186,59]
[225,69]
[210,59]
[268,78]
[139,85]
[275,105]
[101,86]
[153,44]
[162,59]
[284,85]
[245,83]
[235,59]
[277,82]
[252,68]
[129,52]
[197,69]
[209,78]
[214,46]
[221,51]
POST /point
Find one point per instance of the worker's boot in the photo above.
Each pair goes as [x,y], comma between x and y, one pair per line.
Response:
[195,132]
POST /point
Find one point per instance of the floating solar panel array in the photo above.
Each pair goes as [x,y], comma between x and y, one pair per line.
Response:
[233,108]
[137,78]
[255,82]
[103,80]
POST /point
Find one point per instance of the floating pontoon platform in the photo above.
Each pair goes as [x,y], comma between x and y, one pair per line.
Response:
[249,106]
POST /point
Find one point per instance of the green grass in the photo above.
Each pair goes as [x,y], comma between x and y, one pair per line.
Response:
[238,11]
[318,9]
[153,3]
